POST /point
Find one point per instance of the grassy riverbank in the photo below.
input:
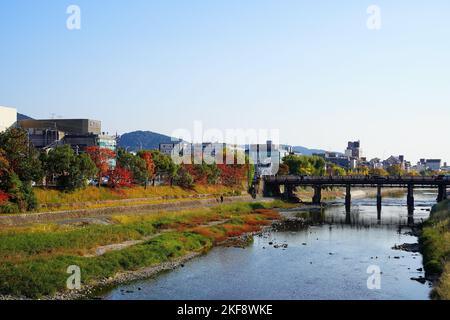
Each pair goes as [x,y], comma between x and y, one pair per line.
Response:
[94,198]
[435,240]
[34,260]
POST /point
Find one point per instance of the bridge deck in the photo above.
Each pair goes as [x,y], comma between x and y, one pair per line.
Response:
[360,181]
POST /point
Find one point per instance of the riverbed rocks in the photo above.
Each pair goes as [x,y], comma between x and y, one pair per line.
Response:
[408,247]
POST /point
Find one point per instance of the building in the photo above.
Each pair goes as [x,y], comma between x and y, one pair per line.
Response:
[166,148]
[376,163]
[336,158]
[434,164]
[8,118]
[354,150]
[428,164]
[394,161]
[78,133]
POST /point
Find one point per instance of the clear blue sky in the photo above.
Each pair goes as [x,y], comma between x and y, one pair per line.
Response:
[309,68]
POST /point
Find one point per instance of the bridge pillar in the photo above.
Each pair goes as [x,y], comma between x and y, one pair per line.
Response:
[348,198]
[379,201]
[317,199]
[410,199]
[442,193]
[271,190]
[288,191]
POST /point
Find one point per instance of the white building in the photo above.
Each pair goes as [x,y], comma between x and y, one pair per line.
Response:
[8,118]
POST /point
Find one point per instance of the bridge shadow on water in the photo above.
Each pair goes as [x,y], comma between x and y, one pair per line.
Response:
[364,213]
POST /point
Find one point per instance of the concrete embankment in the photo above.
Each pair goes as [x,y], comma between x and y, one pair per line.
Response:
[49,217]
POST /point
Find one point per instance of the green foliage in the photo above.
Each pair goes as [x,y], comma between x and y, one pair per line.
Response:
[164,164]
[335,170]
[184,179]
[134,164]
[396,170]
[435,242]
[22,157]
[305,165]
[70,170]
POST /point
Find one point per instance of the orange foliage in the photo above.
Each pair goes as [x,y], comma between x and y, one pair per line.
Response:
[101,157]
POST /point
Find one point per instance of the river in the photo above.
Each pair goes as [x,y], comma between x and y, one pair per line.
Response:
[328,260]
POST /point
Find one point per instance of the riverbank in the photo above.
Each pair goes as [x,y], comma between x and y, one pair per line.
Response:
[435,243]
[34,259]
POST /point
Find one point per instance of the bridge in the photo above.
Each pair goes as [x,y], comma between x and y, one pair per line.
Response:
[272,185]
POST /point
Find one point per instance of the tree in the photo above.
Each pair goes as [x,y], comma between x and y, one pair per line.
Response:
[361,170]
[164,165]
[22,157]
[396,170]
[183,178]
[378,172]
[101,158]
[335,170]
[19,166]
[134,164]
[283,170]
[204,173]
[71,171]
[120,177]
[305,165]
[150,165]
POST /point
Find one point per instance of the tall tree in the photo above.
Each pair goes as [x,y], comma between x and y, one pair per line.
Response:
[101,158]
[150,165]
[23,158]
[70,170]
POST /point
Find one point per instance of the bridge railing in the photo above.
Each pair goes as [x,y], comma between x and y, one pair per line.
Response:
[360,179]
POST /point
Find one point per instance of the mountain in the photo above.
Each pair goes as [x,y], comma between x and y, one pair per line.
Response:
[148,140]
[143,140]
[306,151]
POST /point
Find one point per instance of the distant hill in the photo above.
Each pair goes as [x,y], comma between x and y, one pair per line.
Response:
[23,117]
[143,140]
[148,140]
[306,151]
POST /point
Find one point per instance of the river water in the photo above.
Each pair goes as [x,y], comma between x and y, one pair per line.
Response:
[332,259]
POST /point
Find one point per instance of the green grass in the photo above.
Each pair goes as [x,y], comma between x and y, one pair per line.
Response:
[435,241]
[34,260]
[43,276]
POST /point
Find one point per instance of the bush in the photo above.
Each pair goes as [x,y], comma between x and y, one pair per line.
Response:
[9,208]
[184,179]
[433,267]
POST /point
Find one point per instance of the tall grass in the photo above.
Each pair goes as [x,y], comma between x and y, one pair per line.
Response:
[435,240]
[94,194]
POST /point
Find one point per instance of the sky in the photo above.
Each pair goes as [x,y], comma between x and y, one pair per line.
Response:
[311,69]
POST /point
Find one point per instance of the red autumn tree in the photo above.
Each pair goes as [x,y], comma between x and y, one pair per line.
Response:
[150,164]
[101,158]
[120,178]
[4,197]
[232,174]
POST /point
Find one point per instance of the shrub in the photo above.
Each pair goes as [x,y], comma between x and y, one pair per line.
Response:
[9,208]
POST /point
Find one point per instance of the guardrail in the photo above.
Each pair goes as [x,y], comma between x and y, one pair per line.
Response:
[400,180]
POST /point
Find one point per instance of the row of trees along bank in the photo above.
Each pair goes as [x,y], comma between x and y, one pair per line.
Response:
[22,166]
[316,166]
